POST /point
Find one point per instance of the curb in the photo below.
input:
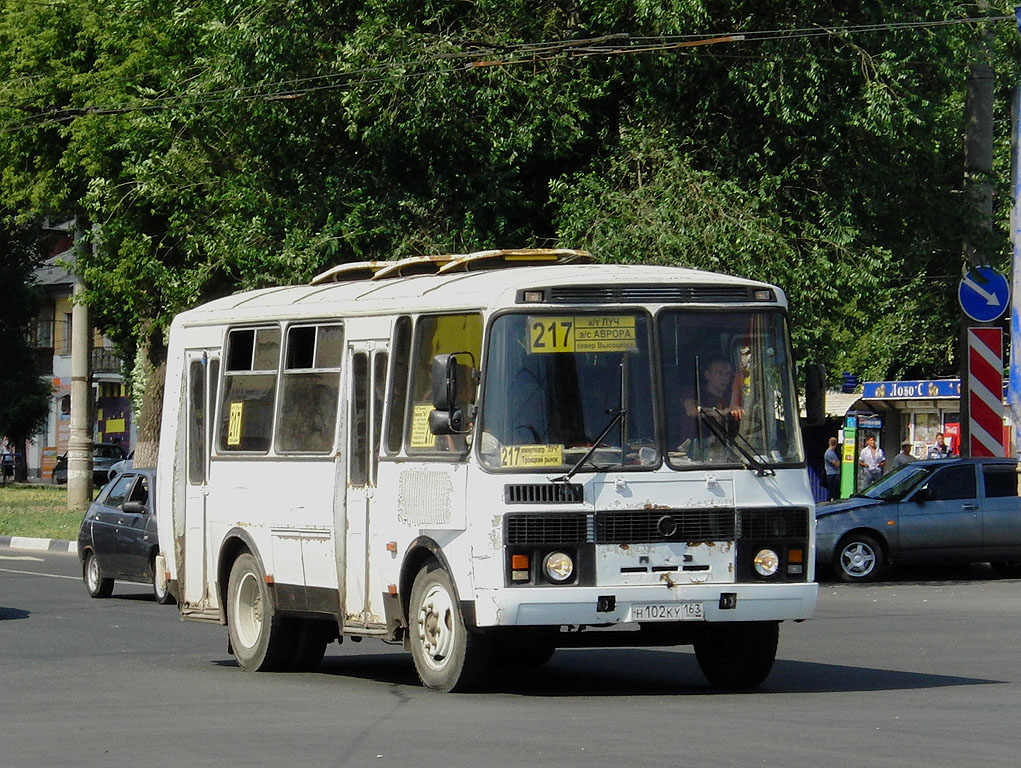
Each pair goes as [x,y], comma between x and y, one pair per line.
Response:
[47,545]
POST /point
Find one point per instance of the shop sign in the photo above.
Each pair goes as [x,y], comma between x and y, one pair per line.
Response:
[907,390]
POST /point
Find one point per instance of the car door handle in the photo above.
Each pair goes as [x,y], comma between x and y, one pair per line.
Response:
[970,506]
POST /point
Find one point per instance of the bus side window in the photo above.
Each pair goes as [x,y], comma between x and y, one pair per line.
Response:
[398,384]
[437,335]
[359,464]
[310,389]
[249,389]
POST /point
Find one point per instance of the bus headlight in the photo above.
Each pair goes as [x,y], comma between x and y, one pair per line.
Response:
[767,562]
[558,566]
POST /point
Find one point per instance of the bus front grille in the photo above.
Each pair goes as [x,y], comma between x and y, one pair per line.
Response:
[645,526]
[543,493]
[775,523]
[541,528]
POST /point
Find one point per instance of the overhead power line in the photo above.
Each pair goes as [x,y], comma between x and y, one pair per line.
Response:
[475,56]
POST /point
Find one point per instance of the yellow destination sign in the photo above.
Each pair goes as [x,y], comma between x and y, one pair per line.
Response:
[234,424]
[421,437]
[583,333]
[531,455]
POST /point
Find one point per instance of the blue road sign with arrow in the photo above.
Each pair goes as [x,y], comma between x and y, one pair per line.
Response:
[984,294]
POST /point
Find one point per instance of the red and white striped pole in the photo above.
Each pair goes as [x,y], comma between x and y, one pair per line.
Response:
[985,391]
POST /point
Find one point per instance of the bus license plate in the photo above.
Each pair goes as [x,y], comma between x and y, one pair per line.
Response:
[692,611]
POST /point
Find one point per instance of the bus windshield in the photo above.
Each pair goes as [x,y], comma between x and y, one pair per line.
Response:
[559,386]
[728,389]
[578,391]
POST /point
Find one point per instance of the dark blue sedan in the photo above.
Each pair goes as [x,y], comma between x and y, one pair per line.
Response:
[933,512]
[118,538]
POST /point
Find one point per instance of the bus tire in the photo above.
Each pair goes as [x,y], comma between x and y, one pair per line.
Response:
[448,657]
[261,640]
[311,637]
[738,655]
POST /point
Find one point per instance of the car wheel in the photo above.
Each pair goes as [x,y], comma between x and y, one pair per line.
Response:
[160,588]
[97,584]
[859,558]
[261,640]
[448,657]
[1008,569]
[737,655]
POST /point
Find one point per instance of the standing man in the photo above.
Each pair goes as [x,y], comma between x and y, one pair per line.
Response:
[904,457]
[831,460]
[871,460]
[940,450]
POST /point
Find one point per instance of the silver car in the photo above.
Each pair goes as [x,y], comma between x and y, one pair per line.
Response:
[934,512]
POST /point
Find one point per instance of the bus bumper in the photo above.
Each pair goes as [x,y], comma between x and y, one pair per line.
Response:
[558,606]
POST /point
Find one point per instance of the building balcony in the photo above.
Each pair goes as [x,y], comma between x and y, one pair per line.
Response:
[105,361]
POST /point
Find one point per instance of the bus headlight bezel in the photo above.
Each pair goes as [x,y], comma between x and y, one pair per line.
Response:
[766,562]
[558,567]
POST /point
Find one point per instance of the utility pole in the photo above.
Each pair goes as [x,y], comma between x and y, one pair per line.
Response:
[978,188]
[79,446]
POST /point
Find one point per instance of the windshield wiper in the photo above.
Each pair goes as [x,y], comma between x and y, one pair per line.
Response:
[752,462]
[617,416]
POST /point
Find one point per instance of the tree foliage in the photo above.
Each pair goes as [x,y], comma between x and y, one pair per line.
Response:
[24,396]
[213,145]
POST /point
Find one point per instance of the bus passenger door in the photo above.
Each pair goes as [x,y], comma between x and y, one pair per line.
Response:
[203,371]
[367,362]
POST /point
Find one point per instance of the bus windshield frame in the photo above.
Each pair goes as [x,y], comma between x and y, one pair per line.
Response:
[615,390]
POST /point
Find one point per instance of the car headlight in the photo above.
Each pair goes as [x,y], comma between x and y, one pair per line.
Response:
[766,562]
[558,566]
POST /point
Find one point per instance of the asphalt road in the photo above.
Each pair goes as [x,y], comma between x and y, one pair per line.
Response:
[922,671]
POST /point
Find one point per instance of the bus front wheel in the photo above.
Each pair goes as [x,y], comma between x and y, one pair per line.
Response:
[261,640]
[448,657]
[738,655]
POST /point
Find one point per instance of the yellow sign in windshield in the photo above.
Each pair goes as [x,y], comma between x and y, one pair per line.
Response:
[531,455]
[582,333]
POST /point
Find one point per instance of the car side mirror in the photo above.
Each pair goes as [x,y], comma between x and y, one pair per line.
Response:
[133,507]
[921,495]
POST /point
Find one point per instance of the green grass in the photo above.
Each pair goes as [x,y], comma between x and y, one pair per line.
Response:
[37,511]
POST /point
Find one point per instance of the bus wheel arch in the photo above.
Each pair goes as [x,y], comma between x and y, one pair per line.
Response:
[449,655]
[420,552]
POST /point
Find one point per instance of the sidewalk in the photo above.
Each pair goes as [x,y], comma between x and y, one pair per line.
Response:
[47,545]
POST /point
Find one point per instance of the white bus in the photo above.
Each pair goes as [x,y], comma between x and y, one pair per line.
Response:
[486,457]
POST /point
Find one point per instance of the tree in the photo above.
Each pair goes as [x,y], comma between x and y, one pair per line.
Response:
[24,395]
[218,145]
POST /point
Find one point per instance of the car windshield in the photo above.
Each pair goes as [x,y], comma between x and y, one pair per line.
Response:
[898,483]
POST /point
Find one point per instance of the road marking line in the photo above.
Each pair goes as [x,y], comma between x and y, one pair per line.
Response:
[36,573]
[22,557]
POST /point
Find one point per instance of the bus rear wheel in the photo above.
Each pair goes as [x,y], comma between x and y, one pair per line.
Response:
[448,657]
[738,655]
[261,640]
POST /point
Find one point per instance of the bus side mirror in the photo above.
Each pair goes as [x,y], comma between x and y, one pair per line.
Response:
[445,382]
[447,416]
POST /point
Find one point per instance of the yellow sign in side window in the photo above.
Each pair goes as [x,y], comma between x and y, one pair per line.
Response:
[583,333]
[234,425]
[531,455]
[421,437]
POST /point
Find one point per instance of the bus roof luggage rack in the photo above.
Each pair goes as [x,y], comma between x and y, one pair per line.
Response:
[451,262]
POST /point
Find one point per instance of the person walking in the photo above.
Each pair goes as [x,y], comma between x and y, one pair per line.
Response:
[871,460]
[831,460]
